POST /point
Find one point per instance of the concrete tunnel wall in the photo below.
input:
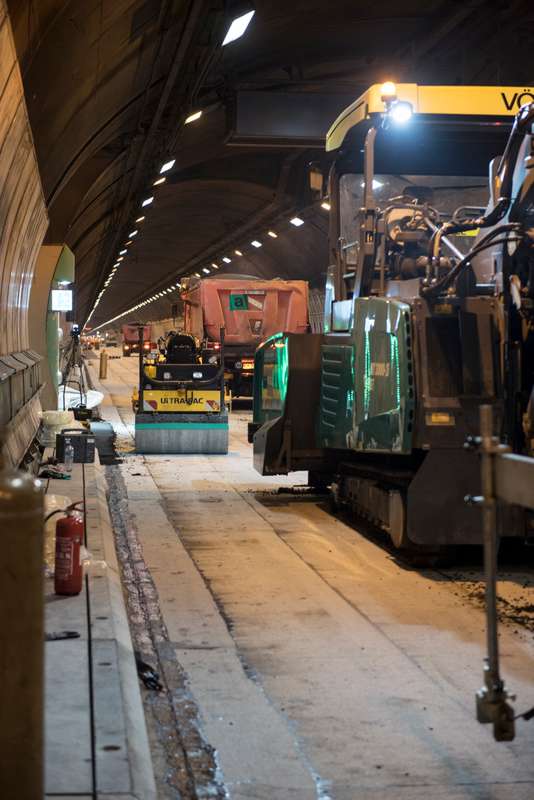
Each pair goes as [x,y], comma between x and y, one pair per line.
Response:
[23,223]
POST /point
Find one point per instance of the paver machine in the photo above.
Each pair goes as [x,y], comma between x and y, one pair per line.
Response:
[428,314]
[180,402]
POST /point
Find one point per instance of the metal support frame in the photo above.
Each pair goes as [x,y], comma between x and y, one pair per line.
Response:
[505,478]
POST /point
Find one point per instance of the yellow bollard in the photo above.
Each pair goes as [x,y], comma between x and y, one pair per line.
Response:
[103,373]
[21,636]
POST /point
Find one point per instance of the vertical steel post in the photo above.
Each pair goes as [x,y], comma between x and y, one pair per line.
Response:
[141,369]
[103,370]
[489,527]
[21,636]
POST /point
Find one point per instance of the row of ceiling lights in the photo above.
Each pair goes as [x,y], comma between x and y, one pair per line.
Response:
[238,24]
[296,221]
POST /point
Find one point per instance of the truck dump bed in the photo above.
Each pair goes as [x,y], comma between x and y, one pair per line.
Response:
[249,310]
[130,333]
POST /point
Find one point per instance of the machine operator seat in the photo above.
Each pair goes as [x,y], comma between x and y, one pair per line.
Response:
[181,349]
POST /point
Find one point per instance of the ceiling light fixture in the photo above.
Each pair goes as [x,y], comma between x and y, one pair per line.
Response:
[139,219]
[159,181]
[167,166]
[227,260]
[206,270]
[255,243]
[192,117]
[133,233]
[122,252]
[272,234]
[326,205]
[239,24]
[214,265]
[297,222]
[147,201]
[238,252]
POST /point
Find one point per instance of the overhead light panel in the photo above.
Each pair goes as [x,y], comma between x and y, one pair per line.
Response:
[206,270]
[238,26]
[167,166]
[214,265]
[192,117]
[122,252]
[326,205]
[227,260]
[147,201]
[139,219]
[197,274]
[133,233]
[297,222]
[159,181]
[129,242]
[238,252]
[120,258]
[272,234]
[255,243]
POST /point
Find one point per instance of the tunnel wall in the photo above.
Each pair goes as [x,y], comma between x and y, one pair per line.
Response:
[23,223]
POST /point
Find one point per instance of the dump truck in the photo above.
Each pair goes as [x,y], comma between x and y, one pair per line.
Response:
[130,338]
[250,310]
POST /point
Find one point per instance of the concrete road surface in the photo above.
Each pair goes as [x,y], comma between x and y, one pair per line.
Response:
[321,667]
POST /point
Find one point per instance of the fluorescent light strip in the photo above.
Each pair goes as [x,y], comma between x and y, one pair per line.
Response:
[159,181]
[238,28]
[297,222]
[272,234]
[167,166]
[147,202]
[192,117]
[255,243]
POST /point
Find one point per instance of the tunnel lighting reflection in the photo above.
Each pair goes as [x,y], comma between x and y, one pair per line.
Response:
[238,27]
[297,222]
[227,260]
[139,219]
[326,205]
[147,201]
[272,234]
[167,166]
[255,243]
[238,252]
[192,117]
[159,181]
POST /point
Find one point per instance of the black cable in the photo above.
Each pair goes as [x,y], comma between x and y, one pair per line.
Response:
[488,241]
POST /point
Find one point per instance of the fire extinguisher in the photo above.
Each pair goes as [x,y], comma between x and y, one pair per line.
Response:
[68,576]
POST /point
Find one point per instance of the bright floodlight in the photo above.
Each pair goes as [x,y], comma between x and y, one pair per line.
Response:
[297,222]
[193,117]
[147,201]
[401,112]
[255,243]
[226,260]
[237,27]
[167,166]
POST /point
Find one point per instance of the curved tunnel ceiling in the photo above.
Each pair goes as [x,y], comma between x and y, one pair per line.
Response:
[108,84]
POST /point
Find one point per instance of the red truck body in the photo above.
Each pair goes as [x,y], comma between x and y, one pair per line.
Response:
[130,339]
[250,310]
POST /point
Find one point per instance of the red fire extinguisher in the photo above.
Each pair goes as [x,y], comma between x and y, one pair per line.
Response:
[68,578]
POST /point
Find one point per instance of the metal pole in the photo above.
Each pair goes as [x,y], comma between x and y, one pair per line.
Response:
[141,368]
[21,636]
[103,371]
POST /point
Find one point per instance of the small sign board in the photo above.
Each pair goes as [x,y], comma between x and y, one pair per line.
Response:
[238,302]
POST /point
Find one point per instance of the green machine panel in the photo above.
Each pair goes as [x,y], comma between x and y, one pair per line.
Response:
[337,394]
[270,378]
[383,376]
